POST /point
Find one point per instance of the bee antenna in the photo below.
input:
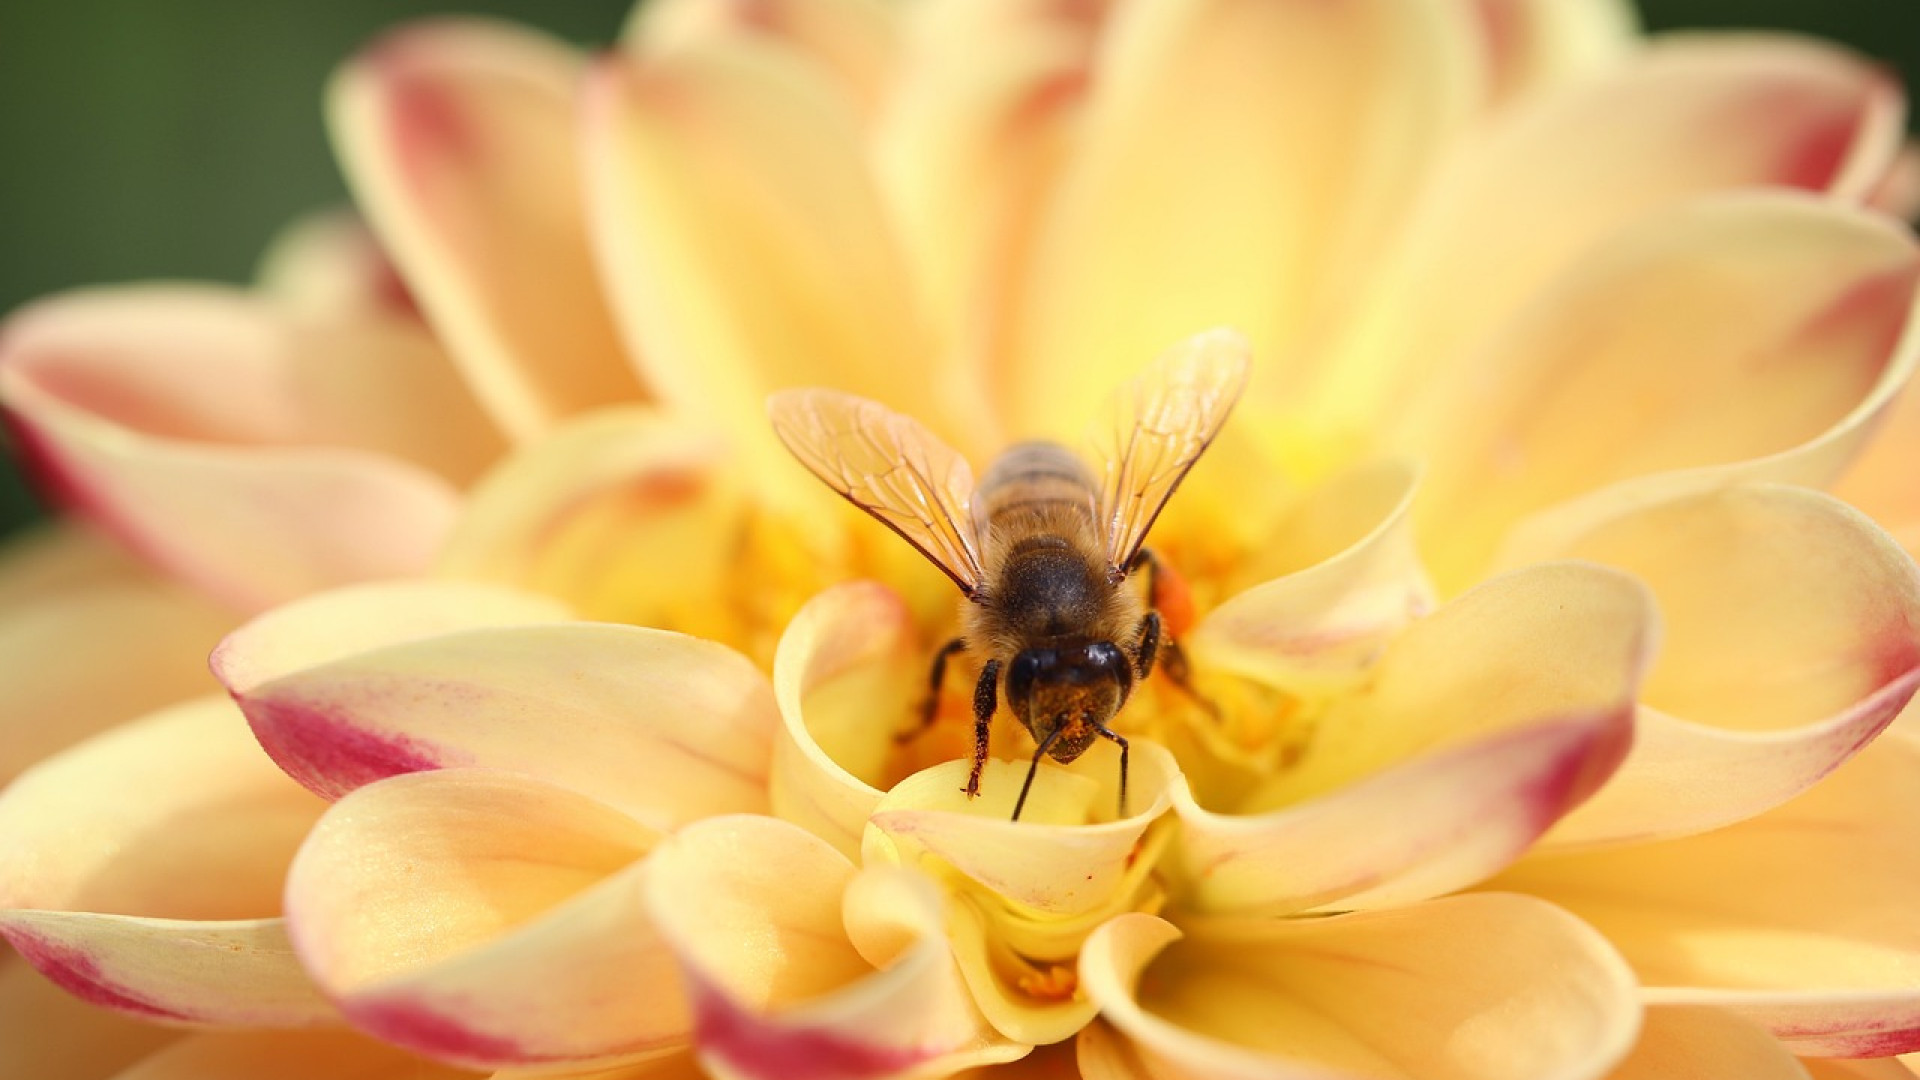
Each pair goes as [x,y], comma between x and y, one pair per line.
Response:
[1033,767]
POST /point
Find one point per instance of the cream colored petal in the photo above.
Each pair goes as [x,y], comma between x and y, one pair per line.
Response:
[1279,210]
[1792,637]
[1537,191]
[458,138]
[1534,46]
[329,264]
[1436,991]
[1880,480]
[486,918]
[341,623]
[664,727]
[853,40]
[57,557]
[1426,827]
[790,955]
[48,1034]
[851,648]
[1782,315]
[1701,1043]
[1799,919]
[743,240]
[1552,643]
[284,1055]
[626,514]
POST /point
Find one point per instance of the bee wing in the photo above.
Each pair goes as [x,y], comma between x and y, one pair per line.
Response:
[1158,425]
[891,467]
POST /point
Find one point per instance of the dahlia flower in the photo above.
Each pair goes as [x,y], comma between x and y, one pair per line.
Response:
[1544,704]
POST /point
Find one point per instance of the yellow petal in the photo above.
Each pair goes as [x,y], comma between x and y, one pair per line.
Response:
[55,558]
[625,514]
[329,264]
[284,1055]
[48,1034]
[1894,1068]
[1798,919]
[1702,1043]
[1280,209]
[256,455]
[1783,314]
[1880,480]
[788,954]
[1545,184]
[485,918]
[1481,987]
[457,136]
[1792,637]
[743,240]
[673,1065]
[1533,46]
[664,727]
[852,40]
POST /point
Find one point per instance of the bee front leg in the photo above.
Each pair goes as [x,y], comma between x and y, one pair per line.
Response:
[986,694]
[930,708]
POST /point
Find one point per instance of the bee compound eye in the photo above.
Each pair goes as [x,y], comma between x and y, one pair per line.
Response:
[1021,675]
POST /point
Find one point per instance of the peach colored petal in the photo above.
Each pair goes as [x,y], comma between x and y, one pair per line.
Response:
[798,967]
[664,727]
[341,623]
[597,510]
[1543,185]
[1792,638]
[57,557]
[1533,46]
[1787,314]
[48,1034]
[1799,919]
[457,136]
[1428,826]
[328,264]
[853,40]
[743,241]
[1282,210]
[285,1055]
[1861,1069]
[1701,1043]
[1550,643]
[237,972]
[1437,991]
[485,918]
[309,462]
[1898,193]
[1880,480]
[851,647]
[674,1065]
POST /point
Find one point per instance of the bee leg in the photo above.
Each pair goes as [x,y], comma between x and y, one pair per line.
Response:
[985,694]
[1146,645]
[1108,733]
[1153,643]
[1033,767]
[930,708]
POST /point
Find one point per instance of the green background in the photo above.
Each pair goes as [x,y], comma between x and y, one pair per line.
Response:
[171,139]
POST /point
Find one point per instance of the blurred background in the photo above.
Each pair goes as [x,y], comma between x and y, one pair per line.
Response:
[148,140]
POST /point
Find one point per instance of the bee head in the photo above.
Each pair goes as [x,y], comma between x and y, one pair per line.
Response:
[1073,690]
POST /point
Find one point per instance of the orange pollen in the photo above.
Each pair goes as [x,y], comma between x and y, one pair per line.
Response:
[1052,983]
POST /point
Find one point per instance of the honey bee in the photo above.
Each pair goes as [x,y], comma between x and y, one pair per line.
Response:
[1041,548]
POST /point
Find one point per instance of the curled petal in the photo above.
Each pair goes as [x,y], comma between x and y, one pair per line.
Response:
[308,468]
[285,1055]
[457,137]
[1797,918]
[330,264]
[1262,238]
[1880,480]
[1435,990]
[1703,1043]
[1792,637]
[704,160]
[1533,46]
[853,40]
[1545,184]
[486,919]
[665,727]
[1789,314]
[49,1034]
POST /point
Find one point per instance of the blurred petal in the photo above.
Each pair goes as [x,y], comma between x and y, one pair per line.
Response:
[1898,193]
[1281,209]
[664,727]
[334,625]
[1864,1069]
[1534,46]
[485,918]
[58,557]
[304,470]
[284,1055]
[1700,1043]
[743,240]
[1547,182]
[627,515]
[1799,919]
[1437,990]
[329,264]
[1792,637]
[457,136]
[789,955]
[48,1034]
[1881,480]
[853,40]
[1784,316]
